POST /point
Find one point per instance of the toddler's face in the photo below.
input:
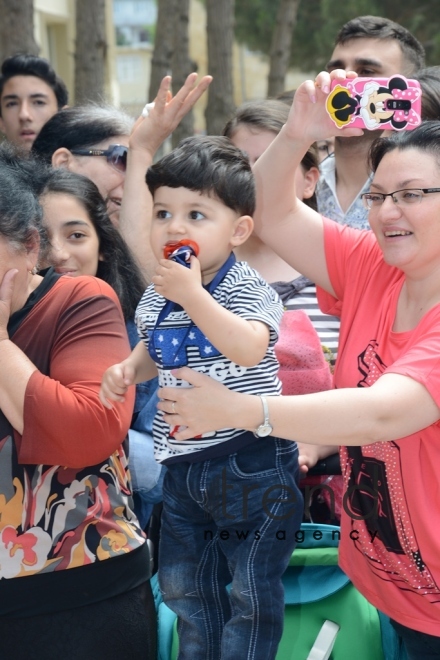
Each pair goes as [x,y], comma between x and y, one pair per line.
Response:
[180,213]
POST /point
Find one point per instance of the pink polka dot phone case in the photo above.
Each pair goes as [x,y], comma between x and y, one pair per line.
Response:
[375,103]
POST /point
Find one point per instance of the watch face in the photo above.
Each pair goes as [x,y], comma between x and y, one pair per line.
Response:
[263,430]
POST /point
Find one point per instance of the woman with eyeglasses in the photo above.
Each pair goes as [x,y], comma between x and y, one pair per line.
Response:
[384,412]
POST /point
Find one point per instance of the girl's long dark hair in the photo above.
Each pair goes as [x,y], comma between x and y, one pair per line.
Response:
[118,266]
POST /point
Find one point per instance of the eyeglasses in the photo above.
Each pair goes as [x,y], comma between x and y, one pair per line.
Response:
[116,155]
[403,197]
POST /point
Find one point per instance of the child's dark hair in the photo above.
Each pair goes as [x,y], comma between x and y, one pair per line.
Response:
[210,165]
[24,64]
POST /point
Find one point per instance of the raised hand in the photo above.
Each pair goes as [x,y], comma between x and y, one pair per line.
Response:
[166,112]
[308,118]
[147,135]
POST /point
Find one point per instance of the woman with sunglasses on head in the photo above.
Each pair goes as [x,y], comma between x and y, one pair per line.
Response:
[91,140]
[385,409]
[112,150]
[74,564]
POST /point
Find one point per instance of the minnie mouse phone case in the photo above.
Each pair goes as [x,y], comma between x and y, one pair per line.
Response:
[375,103]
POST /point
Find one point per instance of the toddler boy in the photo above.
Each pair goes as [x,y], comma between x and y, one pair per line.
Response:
[231,504]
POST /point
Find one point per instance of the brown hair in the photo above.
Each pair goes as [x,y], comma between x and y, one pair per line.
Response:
[269,115]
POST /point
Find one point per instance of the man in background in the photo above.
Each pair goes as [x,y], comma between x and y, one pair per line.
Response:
[30,94]
[373,47]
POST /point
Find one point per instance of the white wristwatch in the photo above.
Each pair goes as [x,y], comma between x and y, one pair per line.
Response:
[266,427]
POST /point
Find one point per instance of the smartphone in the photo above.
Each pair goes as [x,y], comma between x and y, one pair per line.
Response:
[375,103]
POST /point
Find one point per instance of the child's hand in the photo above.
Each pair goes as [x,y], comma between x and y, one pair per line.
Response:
[115,383]
[309,455]
[176,282]
[166,112]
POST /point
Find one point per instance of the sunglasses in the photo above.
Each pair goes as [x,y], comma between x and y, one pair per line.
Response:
[116,155]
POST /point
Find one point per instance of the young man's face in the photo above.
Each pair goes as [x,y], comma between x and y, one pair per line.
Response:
[375,58]
[27,103]
[180,213]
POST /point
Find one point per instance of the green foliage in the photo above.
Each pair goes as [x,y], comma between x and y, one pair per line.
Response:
[121,39]
[424,22]
[151,29]
[310,44]
[319,21]
[254,23]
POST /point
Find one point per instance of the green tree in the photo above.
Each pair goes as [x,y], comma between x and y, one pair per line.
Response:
[281,46]
[163,45]
[318,22]
[310,43]
[254,23]
[423,21]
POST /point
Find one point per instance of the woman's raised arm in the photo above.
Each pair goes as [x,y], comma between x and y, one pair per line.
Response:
[282,221]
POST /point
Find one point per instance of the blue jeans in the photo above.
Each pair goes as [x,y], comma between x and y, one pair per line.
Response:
[146,475]
[230,520]
[418,645]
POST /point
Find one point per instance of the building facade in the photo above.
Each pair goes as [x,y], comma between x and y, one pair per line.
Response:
[130,37]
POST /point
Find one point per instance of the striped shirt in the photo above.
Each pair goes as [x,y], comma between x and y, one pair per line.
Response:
[301,294]
[180,343]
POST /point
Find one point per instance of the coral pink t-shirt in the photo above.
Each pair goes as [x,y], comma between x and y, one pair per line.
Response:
[390,536]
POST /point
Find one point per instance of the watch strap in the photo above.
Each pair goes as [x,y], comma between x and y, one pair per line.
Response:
[265,410]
